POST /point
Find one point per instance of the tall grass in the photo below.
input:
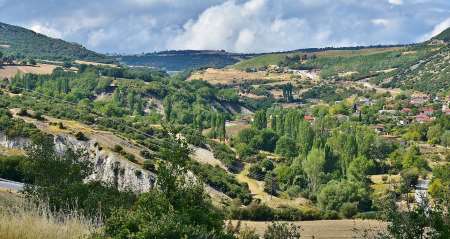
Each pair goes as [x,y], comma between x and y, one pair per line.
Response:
[28,221]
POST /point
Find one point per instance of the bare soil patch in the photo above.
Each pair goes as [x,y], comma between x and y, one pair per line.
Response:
[40,69]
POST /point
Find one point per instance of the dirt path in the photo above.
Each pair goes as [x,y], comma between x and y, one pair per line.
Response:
[257,190]
[327,229]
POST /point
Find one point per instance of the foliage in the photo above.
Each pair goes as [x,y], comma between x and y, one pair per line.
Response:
[178,208]
[59,181]
[23,42]
[282,230]
[421,221]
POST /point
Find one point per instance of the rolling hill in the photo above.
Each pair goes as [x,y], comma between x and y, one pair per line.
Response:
[22,42]
[184,60]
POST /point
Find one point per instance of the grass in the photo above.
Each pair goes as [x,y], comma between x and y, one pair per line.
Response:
[257,190]
[260,61]
[328,228]
[22,220]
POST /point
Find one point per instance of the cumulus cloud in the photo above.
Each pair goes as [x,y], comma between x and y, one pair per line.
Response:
[437,29]
[135,26]
[45,29]
[396,2]
[382,22]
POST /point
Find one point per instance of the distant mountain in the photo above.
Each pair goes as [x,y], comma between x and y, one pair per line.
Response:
[184,60]
[443,36]
[22,42]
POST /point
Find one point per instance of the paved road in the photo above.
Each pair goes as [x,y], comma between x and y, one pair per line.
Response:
[10,185]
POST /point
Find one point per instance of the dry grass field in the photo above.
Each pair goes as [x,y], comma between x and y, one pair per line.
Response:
[22,220]
[328,229]
[234,76]
[94,63]
[40,69]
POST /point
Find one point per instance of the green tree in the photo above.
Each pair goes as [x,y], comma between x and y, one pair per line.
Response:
[359,168]
[445,138]
[434,134]
[313,166]
[177,208]
[305,137]
[270,184]
[59,181]
[425,220]
[260,120]
[335,193]
[286,147]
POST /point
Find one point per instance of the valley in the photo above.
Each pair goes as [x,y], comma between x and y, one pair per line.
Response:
[330,139]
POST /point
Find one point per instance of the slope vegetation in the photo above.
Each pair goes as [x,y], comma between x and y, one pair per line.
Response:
[22,42]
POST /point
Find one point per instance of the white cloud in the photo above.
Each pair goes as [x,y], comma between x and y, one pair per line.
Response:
[436,30]
[396,2]
[135,26]
[382,22]
[45,29]
[248,27]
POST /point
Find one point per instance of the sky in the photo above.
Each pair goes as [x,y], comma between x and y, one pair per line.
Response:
[249,26]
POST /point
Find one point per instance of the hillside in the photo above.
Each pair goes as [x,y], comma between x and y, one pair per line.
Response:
[443,36]
[183,60]
[22,42]
[429,74]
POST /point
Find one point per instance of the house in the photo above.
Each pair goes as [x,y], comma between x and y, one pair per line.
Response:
[406,111]
[423,118]
[428,111]
[419,98]
[446,112]
[308,118]
[388,112]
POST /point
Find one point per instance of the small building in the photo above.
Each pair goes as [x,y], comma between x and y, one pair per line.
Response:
[419,98]
[406,111]
[308,118]
[428,111]
[423,118]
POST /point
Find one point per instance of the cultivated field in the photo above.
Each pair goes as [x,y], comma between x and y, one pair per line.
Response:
[94,63]
[234,76]
[40,69]
[328,229]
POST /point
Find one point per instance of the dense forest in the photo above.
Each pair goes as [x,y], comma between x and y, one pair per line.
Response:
[24,43]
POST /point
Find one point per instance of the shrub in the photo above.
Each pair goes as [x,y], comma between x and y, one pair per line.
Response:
[278,230]
[80,136]
[130,157]
[348,210]
[117,148]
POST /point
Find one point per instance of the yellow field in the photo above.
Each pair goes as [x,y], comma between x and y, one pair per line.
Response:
[328,229]
[94,63]
[22,220]
[234,76]
[40,69]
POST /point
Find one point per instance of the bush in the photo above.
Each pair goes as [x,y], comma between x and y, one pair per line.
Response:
[348,210]
[278,230]
[130,157]
[372,215]
[117,148]
[11,168]
[80,136]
